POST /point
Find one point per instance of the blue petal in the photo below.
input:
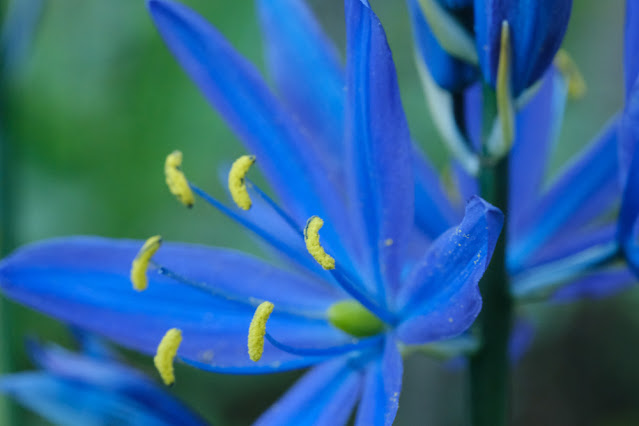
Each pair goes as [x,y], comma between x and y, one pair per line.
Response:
[568,204]
[597,285]
[19,28]
[306,70]
[448,72]
[113,378]
[441,298]
[629,214]
[235,88]
[567,244]
[434,212]
[456,4]
[85,281]
[629,131]
[382,386]
[631,45]
[538,125]
[50,397]
[379,161]
[537,29]
[521,338]
[326,396]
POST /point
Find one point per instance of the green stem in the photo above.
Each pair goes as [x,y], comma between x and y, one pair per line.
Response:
[489,366]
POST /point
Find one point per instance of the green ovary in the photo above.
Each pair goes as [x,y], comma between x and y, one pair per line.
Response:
[350,316]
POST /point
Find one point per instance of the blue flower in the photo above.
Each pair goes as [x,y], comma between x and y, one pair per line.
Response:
[79,389]
[628,230]
[456,39]
[337,160]
[537,29]
[565,239]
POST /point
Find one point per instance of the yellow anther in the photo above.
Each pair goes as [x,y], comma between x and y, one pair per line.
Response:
[257,330]
[505,106]
[577,87]
[141,263]
[175,179]
[167,349]
[237,185]
[312,240]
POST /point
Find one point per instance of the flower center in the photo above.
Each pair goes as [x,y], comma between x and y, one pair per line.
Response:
[351,317]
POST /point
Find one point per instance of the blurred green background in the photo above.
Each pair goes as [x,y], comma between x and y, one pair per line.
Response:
[99,102]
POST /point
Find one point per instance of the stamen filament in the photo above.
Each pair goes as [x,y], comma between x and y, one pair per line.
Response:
[346,282]
[330,351]
[244,301]
[285,216]
[267,236]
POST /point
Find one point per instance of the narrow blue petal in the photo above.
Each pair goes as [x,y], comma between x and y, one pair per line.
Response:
[85,281]
[448,72]
[235,88]
[112,378]
[568,203]
[537,28]
[521,338]
[566,244]
[326,396]
[92,406]
[379,147]
[306,70]
[629,131]
[434,212]
[473,115]
[456,4]
[628,230]
[597,284]
[441,298]
[382,386]
[537,128]
[19,28]
[631,45]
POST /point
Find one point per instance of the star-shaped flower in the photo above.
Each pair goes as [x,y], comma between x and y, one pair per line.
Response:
[338,160]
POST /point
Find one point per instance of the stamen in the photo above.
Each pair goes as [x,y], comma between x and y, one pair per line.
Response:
[505,106]
[237,185]
[141,263]
[257,330]
[176,181]
[167,349]
[331,351]
[312,240]
[257,228]
[577,87]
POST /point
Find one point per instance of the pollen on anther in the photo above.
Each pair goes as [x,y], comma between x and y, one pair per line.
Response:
[176,181]
[166,352]
[237,184]
[141,261]
[312,240]
[577,87]
[257,330]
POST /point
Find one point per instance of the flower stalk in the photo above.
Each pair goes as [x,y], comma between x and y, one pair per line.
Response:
[489,365]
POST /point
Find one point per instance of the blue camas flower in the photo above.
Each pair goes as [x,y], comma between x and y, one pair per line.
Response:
[456,39]
[537,29]
[85,389]
[348,303]
[568,238]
